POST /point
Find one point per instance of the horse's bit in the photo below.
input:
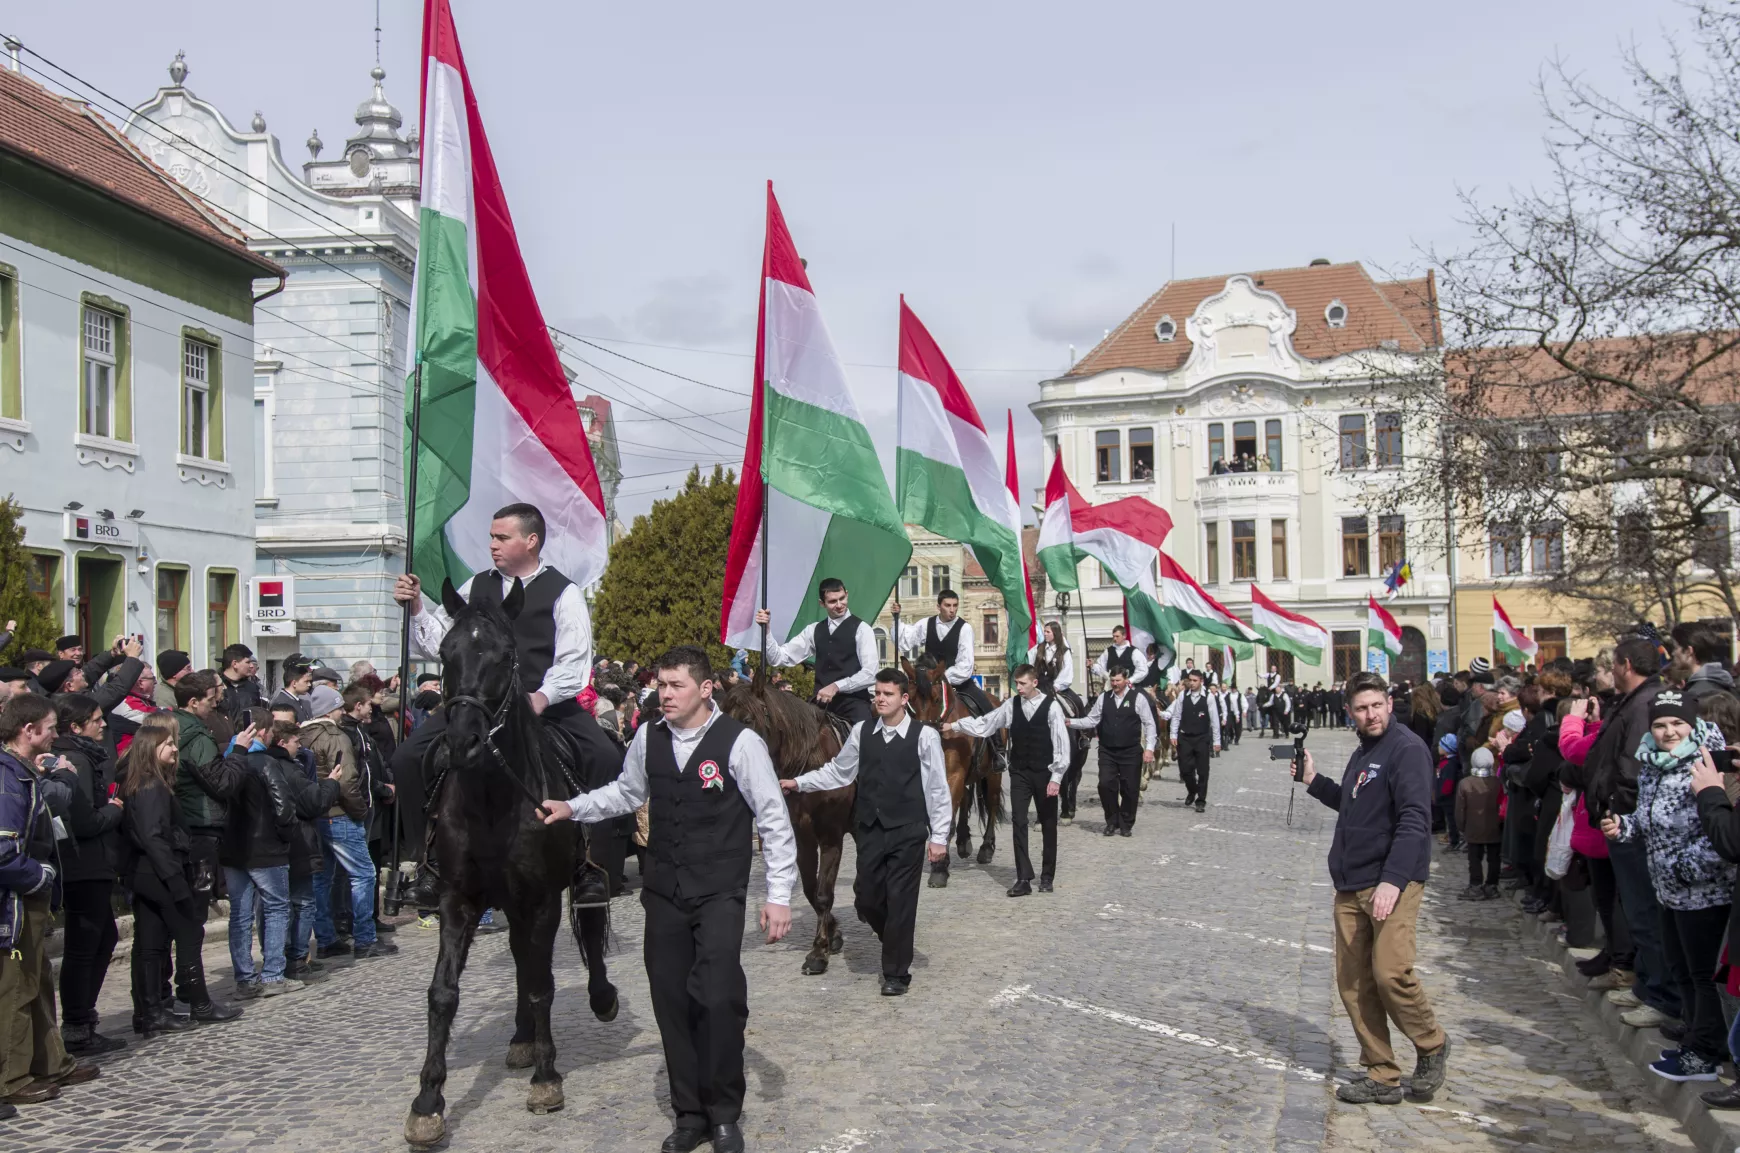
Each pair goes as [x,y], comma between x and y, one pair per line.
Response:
[498,721]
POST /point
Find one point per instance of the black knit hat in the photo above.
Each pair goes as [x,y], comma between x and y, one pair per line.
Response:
[170,662]
[1673,703]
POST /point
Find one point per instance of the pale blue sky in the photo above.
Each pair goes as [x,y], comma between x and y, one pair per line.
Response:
[1015,168]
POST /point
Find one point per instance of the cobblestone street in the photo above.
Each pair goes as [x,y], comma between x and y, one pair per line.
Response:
[1175,993]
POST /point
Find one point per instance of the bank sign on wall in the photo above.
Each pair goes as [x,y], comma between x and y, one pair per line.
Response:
[87,529]
[272,606]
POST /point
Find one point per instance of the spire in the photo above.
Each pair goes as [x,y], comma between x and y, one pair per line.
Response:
[259,122]
[314,145]
[178,69]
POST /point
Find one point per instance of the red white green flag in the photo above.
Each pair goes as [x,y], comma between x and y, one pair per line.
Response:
[1012,481]
[1192,615]
[1509,644]
[1381,630]
[1288,631]
[1124,536]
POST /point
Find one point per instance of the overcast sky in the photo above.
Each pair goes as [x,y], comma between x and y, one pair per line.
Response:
[1015,168]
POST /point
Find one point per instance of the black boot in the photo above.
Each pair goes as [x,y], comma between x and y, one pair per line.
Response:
[424,891]
[210,1011]
[590,888]
[158,1019]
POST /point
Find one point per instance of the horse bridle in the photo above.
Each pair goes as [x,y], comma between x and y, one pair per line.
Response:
[497,719]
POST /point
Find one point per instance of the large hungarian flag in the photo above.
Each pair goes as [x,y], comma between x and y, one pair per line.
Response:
[1288,631]
[1381,630]
[827,510]
[946,474]
[1012,481]
[1124,536]
[1509,644]
[498,424]
[1192,615]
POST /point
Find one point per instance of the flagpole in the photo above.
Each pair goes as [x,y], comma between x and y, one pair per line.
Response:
[766,531]
[899,493]
[393,901]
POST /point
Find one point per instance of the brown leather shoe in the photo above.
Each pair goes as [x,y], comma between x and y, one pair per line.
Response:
[79,1075]
[34,1093]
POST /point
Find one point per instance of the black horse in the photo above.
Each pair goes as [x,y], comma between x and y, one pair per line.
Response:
[490,770]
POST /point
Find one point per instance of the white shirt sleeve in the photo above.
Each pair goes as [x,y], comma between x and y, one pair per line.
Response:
[430,625]
[794,651]
[1066,674]
[1099,665]
[1059,742]
[1150,731]
[912,636]
[868,661]
[961,671]
[936,785]
[1141,660]
[752,769]
[839,772]
[571,671]
[998,718]
[623,795]
[1092,719]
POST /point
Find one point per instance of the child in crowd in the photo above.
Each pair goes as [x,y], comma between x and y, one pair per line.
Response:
[1477,820]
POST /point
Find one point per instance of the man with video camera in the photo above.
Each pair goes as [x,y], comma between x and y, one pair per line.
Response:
[1379,860]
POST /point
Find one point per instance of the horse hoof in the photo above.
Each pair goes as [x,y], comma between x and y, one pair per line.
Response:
[815,966]
[519,1055]
[986,852]
[545,1098]
[965,850]
[423,1130]
[608,1012]
[939,880]
[837,943]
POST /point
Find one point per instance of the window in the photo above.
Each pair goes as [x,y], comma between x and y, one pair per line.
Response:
[993,685]
[1635,539]
[1544,448]
[1280,662]
[1392,542]
[1349,653]
[1108,580]
[909,581]
[1106,445]
[1272,444]
[1244,550]
[220,594]
[1278,550]
[1507,557]
[196,360]
[1389,439]
[44,579]
[1551,646]
[171,603]
[1547,548]
[1141,454]
[98,401]
[1211,552]
[881,646]
[1714,549]
[1244,440]
[11,340]
[993,637]
[1336,314]
[1355,547]
[1166,330]
[1216,443]
[939,579]
[1353,440]
[265,420]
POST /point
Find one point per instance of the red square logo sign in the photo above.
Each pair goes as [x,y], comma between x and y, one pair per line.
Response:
[82,526]
[271,594]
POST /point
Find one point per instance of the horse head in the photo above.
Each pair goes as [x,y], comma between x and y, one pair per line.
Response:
[929,689]
[480,669]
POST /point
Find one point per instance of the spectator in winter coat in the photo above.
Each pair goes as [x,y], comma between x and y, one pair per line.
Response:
[298,683]
[125,718]
[314,796]
[346,843]
[240,682]
[172,666]
[1711,782]
[1477,818]
[1701,653]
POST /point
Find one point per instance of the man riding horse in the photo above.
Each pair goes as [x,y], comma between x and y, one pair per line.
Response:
[844,649]
[947,639]
[553,643]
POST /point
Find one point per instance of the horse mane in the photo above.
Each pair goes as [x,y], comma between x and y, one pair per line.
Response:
[793,728]
[527,732]
[921,672]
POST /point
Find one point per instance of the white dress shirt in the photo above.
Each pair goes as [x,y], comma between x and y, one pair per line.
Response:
[1003,715]
[843,770]
[570,672]
[1213,713]
[1144,710]
[1065,672]
[1140,658]
[912,638]
[803,646]
[750,767]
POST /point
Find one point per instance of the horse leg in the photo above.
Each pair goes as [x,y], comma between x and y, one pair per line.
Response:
[816,960]
[533,950]
[425,1125]
[519,1054]
[990,800]
[592,934]
[960,792]
[827,874]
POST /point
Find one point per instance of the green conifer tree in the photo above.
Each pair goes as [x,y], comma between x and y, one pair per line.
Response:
[37,625]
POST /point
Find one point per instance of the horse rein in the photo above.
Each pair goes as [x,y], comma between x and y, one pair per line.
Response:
[497,718]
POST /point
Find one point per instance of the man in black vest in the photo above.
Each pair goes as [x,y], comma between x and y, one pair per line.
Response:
[845,651]
[1120,654]
[903,802]
[1038,758]
[553,639]
[1125,720]
[1195,735]
[947,638]
[711,784]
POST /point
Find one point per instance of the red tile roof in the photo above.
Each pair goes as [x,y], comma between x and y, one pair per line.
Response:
[1404,311]
[66,137]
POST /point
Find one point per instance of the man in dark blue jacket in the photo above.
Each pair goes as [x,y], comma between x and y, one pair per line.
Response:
[1379,860]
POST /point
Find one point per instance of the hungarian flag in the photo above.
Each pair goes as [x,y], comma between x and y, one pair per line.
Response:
[1288,631]
[1193,615]
[498,424]
[1012,481]
[1124,536]
[1508,642]
[1381,630]
[946,475]
[825,510]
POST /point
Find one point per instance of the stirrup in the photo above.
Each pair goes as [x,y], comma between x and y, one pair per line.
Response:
[590,888]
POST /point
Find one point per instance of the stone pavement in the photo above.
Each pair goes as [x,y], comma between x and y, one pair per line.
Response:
[1175,993]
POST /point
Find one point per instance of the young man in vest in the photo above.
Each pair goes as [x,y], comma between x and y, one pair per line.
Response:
[1122,655]
[553,639]
[903,805]
[947,638]
[845,651]
[1195,735]
[1038,758]
[1125,720]
[711,784]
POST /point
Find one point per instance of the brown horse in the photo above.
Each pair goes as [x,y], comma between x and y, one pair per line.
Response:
[801,737]
[973,771]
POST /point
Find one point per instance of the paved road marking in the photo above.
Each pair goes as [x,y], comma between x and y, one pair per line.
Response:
[846,1142]
[1261,792]
[1015,994]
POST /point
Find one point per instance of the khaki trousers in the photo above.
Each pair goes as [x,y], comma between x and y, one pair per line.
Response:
[30,1047]
[1374,970]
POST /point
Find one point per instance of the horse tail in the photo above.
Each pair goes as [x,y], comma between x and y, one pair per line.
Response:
[987,811]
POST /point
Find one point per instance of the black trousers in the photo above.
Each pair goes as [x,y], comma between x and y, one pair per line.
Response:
[1692,940]
[971,690]
[1029,785]
[885,892]
[1489,853]
[852,708]
[700,999]
[1120,785]
[89,916]
[158,922]
[1193,763]
[1232,728]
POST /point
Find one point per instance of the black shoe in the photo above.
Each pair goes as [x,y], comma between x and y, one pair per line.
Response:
[377,949]
[1595,966]
[1020,889]
[339,950]
[7,1112]
[93,1044]
[1668,1029]
[161,1021]
[1123,830]
[1365,1091]
[683,1139]
[424,891]
[727,1138]
[1429,1071]
[891,987]
[590,888]
[384,927]
[1045,884]
[1727,1097]
[1111,831]
[213,1013]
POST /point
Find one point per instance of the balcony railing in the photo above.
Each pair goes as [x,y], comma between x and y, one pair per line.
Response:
[1236,485]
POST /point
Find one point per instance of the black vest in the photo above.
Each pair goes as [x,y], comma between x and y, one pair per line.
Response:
[1127,661]
[946,647]
[1120,725]
[1193,716]
[1048,668]
[890,778]
[837,653]
[700,841]
[1030,740]
[535,627]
